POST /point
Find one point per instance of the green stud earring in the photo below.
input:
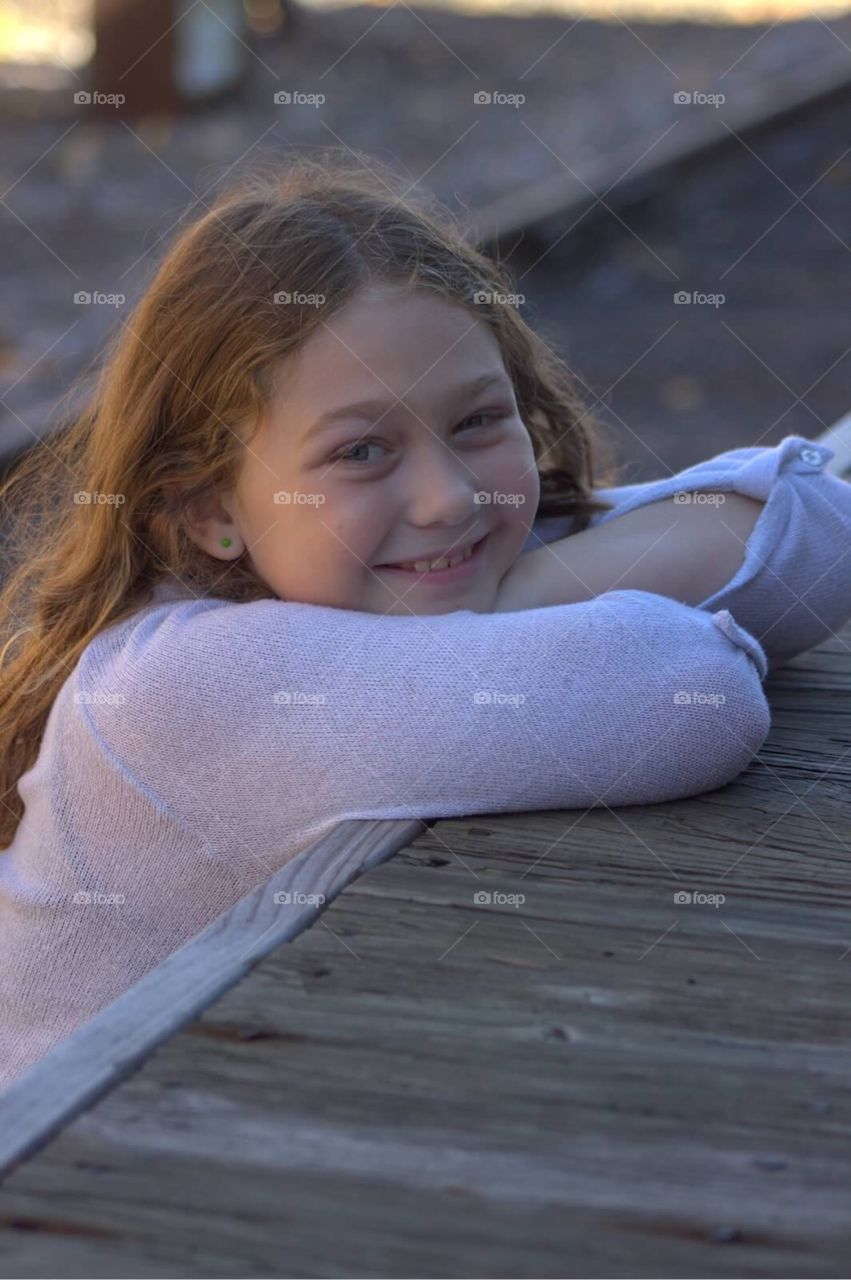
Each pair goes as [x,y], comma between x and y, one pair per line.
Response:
[225,542]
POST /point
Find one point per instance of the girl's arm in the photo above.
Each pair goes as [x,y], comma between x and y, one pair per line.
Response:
[264,724]
[683,549]
[787,581]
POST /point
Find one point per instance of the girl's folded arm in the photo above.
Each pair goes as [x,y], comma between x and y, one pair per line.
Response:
[682,550]
[793,589]
[288,718]
[782,531]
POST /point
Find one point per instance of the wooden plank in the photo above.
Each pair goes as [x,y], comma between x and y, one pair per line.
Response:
[110,1046]
[598,1081]
[620,175]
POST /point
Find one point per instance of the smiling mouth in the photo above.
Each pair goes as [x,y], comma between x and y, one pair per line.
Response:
[458,563]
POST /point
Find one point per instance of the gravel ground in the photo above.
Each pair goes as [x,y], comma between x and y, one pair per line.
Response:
[90,201]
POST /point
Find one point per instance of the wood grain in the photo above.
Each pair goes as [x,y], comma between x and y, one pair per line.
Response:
[108,1047]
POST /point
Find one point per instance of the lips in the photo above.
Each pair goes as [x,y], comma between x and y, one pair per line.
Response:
[432,556]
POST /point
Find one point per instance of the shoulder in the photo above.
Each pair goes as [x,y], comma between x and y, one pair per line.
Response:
[186,678]
[181,638]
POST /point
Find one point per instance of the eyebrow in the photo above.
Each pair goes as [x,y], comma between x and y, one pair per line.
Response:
[371,407]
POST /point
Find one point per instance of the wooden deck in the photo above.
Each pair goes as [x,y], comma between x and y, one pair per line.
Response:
[597,1080]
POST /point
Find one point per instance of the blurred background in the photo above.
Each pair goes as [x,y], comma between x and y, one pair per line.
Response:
[668,181]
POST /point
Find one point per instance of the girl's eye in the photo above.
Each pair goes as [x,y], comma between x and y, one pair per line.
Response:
[490,417]
[346,456]
[365,444]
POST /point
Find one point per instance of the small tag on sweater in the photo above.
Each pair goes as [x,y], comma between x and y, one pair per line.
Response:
[727,623]
[797,454]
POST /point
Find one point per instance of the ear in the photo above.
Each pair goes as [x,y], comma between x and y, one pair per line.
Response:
[208,521]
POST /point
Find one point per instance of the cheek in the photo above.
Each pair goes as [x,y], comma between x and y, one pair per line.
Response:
[351,532]
[512,472]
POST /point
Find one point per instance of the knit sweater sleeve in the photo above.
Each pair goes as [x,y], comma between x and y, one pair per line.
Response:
[793,587]
[274,716]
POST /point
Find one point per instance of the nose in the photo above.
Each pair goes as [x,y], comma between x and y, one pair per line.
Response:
[442,487]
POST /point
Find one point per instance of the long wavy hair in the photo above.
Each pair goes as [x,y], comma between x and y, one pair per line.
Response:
[182,381]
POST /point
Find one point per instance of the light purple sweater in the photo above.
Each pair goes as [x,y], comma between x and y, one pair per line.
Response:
[200,745]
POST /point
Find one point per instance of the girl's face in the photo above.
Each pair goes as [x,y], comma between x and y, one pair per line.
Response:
[332,491]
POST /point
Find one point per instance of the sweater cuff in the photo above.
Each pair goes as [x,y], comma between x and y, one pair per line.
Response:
[757,476]
[725,621]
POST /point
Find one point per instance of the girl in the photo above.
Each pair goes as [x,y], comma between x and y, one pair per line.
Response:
[223,632]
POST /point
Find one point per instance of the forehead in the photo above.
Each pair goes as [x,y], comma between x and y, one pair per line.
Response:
[387,343]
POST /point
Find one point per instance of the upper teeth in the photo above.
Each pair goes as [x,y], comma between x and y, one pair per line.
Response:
[448,562]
